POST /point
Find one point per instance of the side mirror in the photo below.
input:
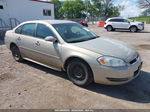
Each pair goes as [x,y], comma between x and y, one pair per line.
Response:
[51,39]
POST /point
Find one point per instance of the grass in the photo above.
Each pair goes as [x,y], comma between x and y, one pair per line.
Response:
[143,19]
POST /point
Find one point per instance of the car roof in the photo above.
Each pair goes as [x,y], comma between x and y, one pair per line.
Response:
[116,18]
[50,21]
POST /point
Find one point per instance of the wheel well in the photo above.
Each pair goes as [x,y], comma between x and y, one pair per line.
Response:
[109,25]
[72,58]
[12,44]
[133,26]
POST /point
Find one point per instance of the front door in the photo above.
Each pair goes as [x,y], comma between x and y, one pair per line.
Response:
[49,53]
[125,24]
[34,46]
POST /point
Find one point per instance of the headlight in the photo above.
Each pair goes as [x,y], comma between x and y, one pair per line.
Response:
[111,62]
[140,24]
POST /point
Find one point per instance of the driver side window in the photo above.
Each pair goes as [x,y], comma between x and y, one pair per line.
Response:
[43,31]
[126,21]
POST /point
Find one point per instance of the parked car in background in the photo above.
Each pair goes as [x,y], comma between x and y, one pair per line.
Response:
[112,24]
[68,46]
[84,23]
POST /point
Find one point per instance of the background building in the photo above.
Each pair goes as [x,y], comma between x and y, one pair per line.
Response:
[13,12]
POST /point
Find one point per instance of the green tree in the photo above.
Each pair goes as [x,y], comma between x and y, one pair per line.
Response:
[103,8]
[57,6]
[97,8]
[108,9]
[72,9]
[146,12]
[144,3]
[80,9]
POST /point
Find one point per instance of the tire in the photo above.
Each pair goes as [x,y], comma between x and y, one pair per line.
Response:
[79,73]
[86,25]
[114,29]
[133,29]
[109,28]
[16,53]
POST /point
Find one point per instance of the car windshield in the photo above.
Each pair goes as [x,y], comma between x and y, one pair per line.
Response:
[72,32]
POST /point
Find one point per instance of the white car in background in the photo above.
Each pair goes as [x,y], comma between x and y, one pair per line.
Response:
[124,24]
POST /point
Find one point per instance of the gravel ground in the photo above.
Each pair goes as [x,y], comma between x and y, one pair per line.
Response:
[31,86]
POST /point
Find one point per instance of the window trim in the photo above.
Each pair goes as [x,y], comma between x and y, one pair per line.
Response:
[35,31]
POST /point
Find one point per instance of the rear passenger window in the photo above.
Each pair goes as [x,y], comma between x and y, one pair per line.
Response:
[18,30]
[113,20]
[116,20]
[28,29]
[43,31]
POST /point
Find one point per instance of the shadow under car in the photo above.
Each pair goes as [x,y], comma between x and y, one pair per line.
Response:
[137,90]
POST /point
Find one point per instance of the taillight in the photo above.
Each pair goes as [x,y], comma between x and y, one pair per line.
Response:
[104,23]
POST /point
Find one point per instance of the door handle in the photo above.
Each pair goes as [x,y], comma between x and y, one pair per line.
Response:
[18,38]
[37,43]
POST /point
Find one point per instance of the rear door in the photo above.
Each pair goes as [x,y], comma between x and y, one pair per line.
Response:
[28,41]
[115,23]
[18,35]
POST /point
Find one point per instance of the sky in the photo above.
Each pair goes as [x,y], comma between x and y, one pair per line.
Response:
[131,8]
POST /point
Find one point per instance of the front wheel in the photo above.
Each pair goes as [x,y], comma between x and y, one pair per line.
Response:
[79,72]
[133,29]
[16,53]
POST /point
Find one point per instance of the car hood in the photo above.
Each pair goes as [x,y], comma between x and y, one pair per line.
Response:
[136,22]
[109,47]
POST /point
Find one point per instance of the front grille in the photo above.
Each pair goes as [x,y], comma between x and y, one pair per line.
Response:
[134,60]
[136,72]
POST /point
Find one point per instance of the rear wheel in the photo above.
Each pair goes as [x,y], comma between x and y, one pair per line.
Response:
[79,72]
[133,29]
[16,53]
[109,28]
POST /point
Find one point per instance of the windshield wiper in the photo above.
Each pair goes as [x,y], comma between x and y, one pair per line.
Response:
[84,39]
[75,41]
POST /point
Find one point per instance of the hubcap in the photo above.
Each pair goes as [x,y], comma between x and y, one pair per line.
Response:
[109,28]
[133,29]
[78,72]
[15,54]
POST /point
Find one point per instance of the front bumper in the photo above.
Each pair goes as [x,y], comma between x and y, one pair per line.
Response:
[141,27]
[116,76]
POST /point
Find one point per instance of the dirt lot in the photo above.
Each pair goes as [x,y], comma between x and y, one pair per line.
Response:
[28,85]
